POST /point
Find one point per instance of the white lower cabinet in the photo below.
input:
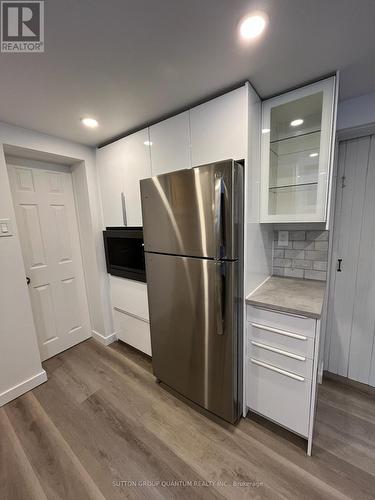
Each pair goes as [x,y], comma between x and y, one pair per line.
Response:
[130,313]
[281,368]
[129,296]
[133,331]
[280,395]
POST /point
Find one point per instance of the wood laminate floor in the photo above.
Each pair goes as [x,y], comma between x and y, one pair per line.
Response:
[102,428]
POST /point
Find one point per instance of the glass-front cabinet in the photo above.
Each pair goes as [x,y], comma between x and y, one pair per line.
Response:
[296,154]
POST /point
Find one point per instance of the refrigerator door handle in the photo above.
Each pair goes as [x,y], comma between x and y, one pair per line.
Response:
[220,295]
[218,222]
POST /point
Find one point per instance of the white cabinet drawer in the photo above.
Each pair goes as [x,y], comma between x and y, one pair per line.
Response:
[296,343]
[133,331]
[294,363]
[130,296]
[288,322]
[279,395]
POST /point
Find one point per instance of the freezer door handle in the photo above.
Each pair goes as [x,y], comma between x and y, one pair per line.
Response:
[218,217]
[220,296]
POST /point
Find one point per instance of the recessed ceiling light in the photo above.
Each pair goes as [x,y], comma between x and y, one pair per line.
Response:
[296,122]
[313,155]
[89,122]
[253,26]
[148,143]
[266,130]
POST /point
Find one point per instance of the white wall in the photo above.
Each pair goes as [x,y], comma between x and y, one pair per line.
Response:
[19,354]
[258,237]
[356,112]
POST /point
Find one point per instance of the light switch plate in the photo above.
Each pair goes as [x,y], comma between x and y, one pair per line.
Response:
[6,227]
[283,239]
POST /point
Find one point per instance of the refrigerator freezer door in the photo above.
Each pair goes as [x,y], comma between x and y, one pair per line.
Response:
[193,313]
[194,212]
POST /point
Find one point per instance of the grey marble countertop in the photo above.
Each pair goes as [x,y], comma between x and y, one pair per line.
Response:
[296,296]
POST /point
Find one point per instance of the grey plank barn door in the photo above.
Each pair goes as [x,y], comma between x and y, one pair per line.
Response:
[351,309]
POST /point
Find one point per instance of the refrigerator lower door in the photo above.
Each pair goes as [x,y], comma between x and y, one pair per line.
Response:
[194,314]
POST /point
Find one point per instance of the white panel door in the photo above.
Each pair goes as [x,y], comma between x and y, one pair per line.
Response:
[170,144]
[135,165]
[351,312]
[219,128]
[48,230]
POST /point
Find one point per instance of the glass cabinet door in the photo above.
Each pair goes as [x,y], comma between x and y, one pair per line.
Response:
[296,154]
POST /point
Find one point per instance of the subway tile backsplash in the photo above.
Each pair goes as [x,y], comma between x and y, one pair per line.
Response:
[305,256]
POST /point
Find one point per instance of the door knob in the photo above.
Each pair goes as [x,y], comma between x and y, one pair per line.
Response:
[28,280]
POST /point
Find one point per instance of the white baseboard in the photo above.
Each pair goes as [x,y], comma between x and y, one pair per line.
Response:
[25,386]
[104,340]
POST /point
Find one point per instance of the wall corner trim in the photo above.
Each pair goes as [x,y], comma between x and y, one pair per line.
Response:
[105,340]
[25,386]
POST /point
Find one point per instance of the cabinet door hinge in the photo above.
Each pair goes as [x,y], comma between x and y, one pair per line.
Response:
[343,181]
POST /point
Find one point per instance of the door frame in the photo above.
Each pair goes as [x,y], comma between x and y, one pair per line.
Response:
[355,132]
[77,168]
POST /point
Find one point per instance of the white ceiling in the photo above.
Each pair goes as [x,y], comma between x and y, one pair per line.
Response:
[128,63]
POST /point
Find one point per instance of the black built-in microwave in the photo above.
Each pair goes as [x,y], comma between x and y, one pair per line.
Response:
[124,252]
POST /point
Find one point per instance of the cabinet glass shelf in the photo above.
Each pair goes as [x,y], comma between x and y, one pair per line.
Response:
[288,186]
[295,136]
[299,144]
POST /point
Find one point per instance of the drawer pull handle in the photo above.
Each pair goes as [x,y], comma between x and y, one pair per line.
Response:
[281,332]
[275,311]
[135,316]
[277,370]
[279,351]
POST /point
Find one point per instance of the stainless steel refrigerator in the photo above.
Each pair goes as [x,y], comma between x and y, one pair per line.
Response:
[193,240]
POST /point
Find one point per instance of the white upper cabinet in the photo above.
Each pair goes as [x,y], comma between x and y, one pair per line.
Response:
[296,154]
[136,165]
[121,165]
[219,127]
[170,144]
[108,160]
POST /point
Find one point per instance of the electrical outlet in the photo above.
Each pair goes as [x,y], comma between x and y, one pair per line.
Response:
[283,239]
